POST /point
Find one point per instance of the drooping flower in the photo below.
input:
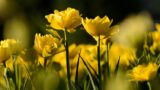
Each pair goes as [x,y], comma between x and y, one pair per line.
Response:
[68,19]
[98,26]
[144,72]
[46,45]
[126,55]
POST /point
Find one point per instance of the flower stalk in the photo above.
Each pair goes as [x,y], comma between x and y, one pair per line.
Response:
[99,61]
[108,69]
[17,73]
[67,58]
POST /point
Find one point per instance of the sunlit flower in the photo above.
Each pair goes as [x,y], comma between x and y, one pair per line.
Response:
[157,25]
[144,72]
[46,45]
[156,39]
[126,56]
[14,46]
[97,26]
[9,47]
[68,19]
[4,53]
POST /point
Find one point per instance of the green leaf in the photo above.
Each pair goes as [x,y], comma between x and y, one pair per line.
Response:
[77,66]
[117,66]
[90,74]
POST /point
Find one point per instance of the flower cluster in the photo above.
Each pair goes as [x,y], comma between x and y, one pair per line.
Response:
[128,51]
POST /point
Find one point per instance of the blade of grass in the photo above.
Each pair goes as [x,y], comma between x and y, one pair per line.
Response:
[92,69]
[96,75]
[117,66]
[108,69]
[89,73]
[77,66]
[6,79]
[28,73]
[16,72]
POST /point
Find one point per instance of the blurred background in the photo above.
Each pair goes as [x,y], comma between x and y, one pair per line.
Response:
[21,19]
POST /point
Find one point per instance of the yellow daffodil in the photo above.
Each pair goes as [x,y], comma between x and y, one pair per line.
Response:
[157,25]
[9,47]
[68,19]
[14,46]
[4,53]
[46,45]
[97,26]
[156,39]
[144,72]
[126,55]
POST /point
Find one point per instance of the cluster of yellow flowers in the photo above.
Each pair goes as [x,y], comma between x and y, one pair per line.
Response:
[113,48]
[69,19]
[8,48]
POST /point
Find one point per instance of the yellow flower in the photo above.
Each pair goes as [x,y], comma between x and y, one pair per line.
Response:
[97,26]
[14,46]
[157,25]
[46,45]
[144,72]
[156,39]
[9,47]
[67,19]
[4,53]
[125,54]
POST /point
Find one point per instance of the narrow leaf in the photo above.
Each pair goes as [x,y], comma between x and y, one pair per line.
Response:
[89,73]
[76,77]
[116,69]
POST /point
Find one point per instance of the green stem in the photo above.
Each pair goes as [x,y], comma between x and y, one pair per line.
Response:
[99,63]
[17,74]
[28,72]
[108,69]
[67,57]
[45,63]
[6,77]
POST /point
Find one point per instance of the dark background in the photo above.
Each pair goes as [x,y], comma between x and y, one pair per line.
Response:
[35,10]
